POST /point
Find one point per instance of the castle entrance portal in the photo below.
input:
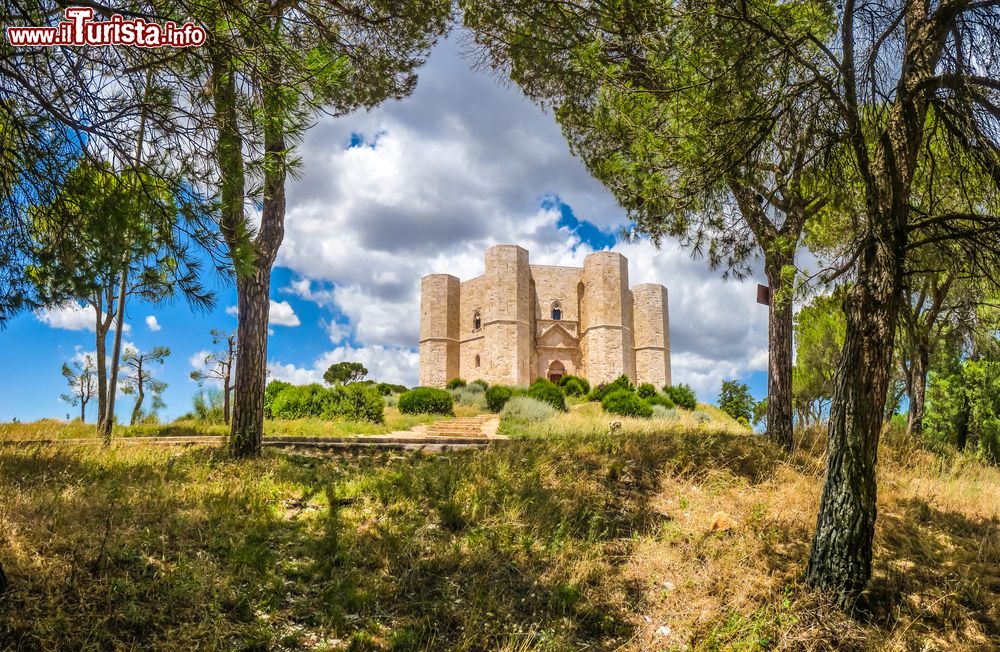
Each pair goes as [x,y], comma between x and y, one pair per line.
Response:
[556,371]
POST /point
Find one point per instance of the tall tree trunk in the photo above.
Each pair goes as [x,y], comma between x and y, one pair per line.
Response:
[841,555]
[779,358]
[116,352]
[247,427]
[104,315]
[918,390]
[962,425]
[225,394]
[137,409]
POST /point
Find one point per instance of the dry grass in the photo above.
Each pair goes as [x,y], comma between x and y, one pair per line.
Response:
[653,539]
[394,421]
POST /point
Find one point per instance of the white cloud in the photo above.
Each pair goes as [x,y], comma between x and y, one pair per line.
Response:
[152,323]
[280,314]
[71,316]
[384,363]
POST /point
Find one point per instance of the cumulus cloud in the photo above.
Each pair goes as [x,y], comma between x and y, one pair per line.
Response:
[72,316]
[280,313]
[152,324]
[427,184]
[385,364]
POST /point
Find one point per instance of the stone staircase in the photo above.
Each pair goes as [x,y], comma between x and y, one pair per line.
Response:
[484,425]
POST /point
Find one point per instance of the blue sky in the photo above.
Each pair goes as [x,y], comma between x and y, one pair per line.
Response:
[413,187]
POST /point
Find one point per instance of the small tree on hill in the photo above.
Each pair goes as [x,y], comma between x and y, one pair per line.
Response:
[219,367]
[736,400]
[82,384]
[138,379]
[342,373]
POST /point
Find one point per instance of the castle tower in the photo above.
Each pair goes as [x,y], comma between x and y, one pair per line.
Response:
[508,318]
[439,329]
[606,328]
[652,334]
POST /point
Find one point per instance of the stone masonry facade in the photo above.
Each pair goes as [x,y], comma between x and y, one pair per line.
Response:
[518,322]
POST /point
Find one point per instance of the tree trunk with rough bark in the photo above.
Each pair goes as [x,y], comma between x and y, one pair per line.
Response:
[116,352]
[779,358]
[226,389]
[841,555]
[918,390]
[247,427]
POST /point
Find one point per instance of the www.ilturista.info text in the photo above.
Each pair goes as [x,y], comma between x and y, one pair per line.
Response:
[79,28]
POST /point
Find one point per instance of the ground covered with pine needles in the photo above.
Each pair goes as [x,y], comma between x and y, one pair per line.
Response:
[691,538]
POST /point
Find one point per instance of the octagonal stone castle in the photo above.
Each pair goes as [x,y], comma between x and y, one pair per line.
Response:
[518,322]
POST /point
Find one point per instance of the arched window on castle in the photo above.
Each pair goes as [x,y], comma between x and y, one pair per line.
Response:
[477,321]
[556,311]
[477,361]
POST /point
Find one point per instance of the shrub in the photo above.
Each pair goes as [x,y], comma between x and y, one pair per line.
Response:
[481,383]
[702,416]
[736,401]
[566,380]
[682,395]
[356,402]
[455,383]
[525,408]
[427,400]
[545,390]
[660,412]
[573,387]
[497,396]
[621,382]
[646,390]
[475,388]
[388,388]
[662,400]
[270,392]
[626,403]
[466,396]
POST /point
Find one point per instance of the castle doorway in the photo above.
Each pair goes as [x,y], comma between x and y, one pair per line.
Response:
[556,371]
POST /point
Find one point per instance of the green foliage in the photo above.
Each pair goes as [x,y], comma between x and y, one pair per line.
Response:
[467,396]
[479,382]
[570,378]
[355,402]
[573,387]
[82,381]
[546,390]
[207,407]
[662,400]
[497,396]
[626,403]
[527,409]
[455,383]
[682,395]
[646,390]
[427,400]
[736,400]
[272,390]
[342,373]
[820,328]
[599,392]
[388,388]
[661,412]
[963,407]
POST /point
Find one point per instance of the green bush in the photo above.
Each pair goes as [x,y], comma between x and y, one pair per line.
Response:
[583,382]
[355,402]
[525,408]
[481,383]
[455,383]
[497,396]
[474,388]
[573,387]
[545,390]
[682,395]
[626,403]
[467,396]
[388,388]
[646,390]
[427,400]
[621,382]
[270,392]
[662,400]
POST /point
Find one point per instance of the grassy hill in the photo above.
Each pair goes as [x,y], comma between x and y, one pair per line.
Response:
[660,537]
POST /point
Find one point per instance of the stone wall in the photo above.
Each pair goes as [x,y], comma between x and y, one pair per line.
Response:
[606,328]
[509,320]
[439,329]
[652,334]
